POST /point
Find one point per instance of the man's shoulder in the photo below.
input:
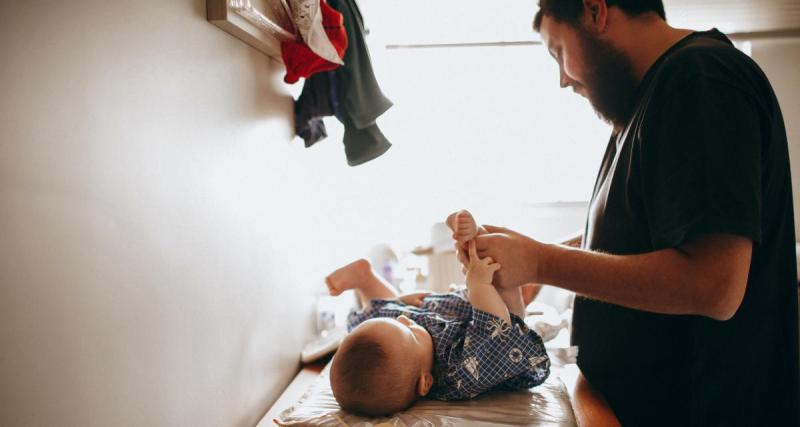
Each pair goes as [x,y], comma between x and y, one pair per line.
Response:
[705,55]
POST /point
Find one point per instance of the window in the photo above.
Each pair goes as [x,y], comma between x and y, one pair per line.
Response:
[485,128]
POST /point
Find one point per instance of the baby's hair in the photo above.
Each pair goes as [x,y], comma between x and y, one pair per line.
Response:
[364,380]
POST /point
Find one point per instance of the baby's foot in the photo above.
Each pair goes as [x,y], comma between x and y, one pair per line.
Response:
[464,226]
[351,276]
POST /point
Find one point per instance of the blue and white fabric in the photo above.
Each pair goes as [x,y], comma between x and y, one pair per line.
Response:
[475,351]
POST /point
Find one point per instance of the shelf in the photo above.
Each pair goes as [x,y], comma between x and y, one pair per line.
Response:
[262,24]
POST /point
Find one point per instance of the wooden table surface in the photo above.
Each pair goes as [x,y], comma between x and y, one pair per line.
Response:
[294,391]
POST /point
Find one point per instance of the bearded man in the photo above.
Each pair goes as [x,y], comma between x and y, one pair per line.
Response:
[685,279]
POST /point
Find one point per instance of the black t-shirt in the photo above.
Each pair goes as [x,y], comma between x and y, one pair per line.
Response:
[705,152]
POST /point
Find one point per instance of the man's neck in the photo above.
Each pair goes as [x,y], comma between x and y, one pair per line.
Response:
[645,40]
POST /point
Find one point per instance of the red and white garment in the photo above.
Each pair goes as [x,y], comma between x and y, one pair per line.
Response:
[322,41]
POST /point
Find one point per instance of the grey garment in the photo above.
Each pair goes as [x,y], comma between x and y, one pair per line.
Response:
[363,145]
[320,99]
[360,95]
[350,92]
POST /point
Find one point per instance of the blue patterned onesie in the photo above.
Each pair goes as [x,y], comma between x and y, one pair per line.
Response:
[474,351]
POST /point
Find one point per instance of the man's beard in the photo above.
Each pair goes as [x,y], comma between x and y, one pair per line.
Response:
[611,84]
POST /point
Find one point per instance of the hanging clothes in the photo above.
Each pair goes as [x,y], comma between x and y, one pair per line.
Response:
[363,145]
[360,98]
[310,17]
[350,92]
[300,56]
[315,102]
[361,94]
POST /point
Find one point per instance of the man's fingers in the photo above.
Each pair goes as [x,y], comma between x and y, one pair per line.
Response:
[473,253]
[495,229]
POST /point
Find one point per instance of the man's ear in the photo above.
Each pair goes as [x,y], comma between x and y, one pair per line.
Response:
[424,383]
[595,15]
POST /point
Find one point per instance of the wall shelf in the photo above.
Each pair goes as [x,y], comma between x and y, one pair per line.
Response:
[262,24]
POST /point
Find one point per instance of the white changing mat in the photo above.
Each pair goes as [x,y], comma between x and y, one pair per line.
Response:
[544,405]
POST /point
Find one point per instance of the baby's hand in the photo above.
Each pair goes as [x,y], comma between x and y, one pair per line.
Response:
[480,271]
[413,298]
[463,225]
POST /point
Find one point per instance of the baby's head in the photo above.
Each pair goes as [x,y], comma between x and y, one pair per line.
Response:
[382,366]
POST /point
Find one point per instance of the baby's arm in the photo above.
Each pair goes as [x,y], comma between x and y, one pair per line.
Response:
[464,230]
[414,298]
[482,293]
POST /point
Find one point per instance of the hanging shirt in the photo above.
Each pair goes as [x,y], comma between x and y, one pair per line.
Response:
[361,99]
[300,59]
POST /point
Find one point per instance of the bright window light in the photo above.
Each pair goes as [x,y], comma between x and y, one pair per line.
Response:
[485,128]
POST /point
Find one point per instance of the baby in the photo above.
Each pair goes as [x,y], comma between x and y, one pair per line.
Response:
[445,346]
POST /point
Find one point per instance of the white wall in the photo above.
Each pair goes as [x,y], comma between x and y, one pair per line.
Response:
[161,237]
[780,60]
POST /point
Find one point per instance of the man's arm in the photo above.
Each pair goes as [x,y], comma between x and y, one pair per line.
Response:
[531,291]
[707,275]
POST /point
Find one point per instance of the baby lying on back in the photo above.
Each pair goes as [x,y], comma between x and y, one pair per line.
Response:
[445,346]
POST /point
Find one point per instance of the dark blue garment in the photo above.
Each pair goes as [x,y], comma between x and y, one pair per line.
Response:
[336,104]
[475,351]
[314,103]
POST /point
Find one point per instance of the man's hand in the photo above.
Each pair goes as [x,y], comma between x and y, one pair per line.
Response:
[413,298]
[519,255]
[480,270]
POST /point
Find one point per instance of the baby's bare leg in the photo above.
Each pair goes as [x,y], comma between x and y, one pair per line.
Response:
[529,292]
[358,275]
[516,299]
[513,300]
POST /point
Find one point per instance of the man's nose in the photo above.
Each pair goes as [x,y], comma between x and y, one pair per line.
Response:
[563,79]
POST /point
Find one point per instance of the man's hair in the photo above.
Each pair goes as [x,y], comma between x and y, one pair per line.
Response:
[365,379]
[569,11]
